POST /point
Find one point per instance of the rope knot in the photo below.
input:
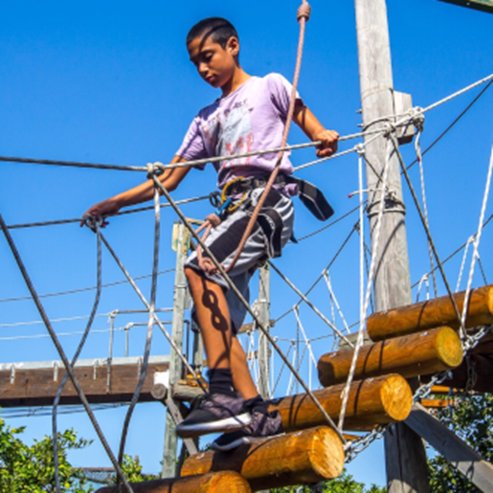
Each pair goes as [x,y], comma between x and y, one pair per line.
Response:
[304,11]
[154,169]
[418,118]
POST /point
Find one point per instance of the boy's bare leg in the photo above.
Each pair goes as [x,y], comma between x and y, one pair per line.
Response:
[222,349]
[242,379]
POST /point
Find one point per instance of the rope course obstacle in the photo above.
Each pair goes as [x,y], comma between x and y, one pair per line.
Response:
[364,381]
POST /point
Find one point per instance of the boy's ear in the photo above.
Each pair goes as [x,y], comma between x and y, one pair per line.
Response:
[233,45]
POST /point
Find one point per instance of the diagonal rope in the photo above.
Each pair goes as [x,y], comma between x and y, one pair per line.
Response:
[63,356]
[245,303]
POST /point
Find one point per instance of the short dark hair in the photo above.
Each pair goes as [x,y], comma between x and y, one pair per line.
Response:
[219,29]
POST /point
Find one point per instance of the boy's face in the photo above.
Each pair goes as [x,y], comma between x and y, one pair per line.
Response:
[215,64]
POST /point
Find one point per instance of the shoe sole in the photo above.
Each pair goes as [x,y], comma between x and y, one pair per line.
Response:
[226,424]
[245,440]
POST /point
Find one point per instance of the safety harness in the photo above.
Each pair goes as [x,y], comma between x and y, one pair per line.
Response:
[236,194]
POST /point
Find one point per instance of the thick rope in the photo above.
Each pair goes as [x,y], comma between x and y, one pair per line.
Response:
[62,354]
[150,326]
[303,15]
[58,395]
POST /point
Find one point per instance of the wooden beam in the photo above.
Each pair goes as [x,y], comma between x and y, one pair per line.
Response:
[432,313]
[454,450]
[303,457]
[411,355]
[208,483]
[35,384]
[371,402]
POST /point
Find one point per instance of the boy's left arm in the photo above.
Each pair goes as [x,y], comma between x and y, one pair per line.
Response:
[308,122]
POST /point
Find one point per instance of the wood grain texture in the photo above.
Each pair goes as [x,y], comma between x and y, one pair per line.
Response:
[432,313]
[372,401]
[302,457]
[423,353]
[226,481]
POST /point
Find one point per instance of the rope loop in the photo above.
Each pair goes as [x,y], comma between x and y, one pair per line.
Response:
[304,11]
[418,118]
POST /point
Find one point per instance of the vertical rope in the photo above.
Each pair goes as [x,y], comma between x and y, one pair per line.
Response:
[303,15]
[477,239]
[150,326]
[369,283]
[56,402]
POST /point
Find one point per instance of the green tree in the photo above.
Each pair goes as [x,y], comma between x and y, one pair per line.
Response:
[30,468]
[345,483]
[471,418]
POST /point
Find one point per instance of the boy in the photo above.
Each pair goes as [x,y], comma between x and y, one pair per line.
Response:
[249,115]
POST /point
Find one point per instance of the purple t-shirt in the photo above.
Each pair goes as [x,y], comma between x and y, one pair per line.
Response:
[251,118]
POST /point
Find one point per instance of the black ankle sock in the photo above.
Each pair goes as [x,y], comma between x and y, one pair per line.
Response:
[221,381]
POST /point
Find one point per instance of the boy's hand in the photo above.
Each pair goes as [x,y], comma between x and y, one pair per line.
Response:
[100,211]
[329,140]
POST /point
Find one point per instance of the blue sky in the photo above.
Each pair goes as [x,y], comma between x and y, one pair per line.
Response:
[110,82]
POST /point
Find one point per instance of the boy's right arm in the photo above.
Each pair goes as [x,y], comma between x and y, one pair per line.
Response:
[170,179]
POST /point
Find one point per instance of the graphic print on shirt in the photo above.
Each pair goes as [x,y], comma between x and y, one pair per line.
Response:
[236,134]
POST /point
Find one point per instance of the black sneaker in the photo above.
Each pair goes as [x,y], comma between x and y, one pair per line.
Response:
[213,413]
[263,424]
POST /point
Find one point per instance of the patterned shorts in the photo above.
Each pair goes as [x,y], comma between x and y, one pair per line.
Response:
[271,232]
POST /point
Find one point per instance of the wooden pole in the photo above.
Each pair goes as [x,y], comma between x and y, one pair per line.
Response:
[371,402]
[264,351]
[304,457]
[406,469]
[181,239]
[228,481]
[432,313]
[423,353]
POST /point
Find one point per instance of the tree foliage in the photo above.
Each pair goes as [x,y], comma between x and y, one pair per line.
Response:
[30,468]
[343,484]
[471,418]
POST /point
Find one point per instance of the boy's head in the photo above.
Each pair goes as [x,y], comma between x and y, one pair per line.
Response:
[216,29]
[214,48]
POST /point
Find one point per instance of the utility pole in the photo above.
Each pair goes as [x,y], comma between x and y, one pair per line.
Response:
[181,239]
[404,450]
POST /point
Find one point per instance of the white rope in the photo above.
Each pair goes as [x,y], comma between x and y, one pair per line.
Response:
[308,345]
[469,242]
[419,157]
[477,240]
[334,301]
[369,283]
[424,281]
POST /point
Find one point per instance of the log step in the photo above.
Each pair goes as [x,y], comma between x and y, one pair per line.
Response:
[373,401]
[302,457]
[423,353]
[432,313]
[207,483]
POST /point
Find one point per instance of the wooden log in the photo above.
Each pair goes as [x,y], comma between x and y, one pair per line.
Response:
[423,353]
[208,483]
[303,457]
[372,401]
[432,313]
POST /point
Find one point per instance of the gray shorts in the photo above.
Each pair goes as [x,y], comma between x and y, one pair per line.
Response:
[271,232]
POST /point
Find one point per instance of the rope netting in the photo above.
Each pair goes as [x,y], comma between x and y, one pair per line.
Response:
[296,354]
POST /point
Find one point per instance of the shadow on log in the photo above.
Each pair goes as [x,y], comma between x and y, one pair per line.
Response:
[423,353]
[303,457]
[432,313]
[228,481]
